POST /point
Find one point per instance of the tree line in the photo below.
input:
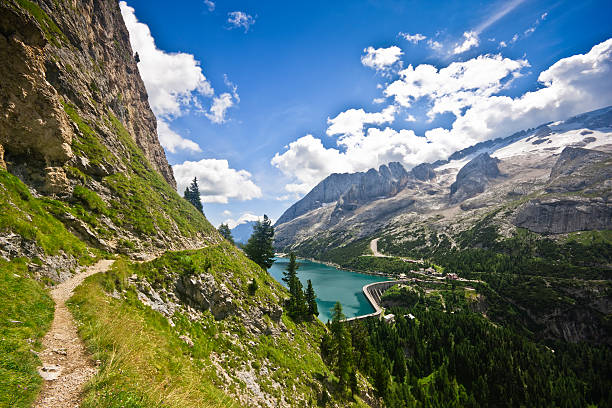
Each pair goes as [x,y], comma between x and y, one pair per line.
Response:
[442,360]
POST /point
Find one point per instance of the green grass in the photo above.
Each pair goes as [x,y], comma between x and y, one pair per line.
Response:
[145,364]
[142,200]
[27,216]
[87,143]
[26,311]
[50,30]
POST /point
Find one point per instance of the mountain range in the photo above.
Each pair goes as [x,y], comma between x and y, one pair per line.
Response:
[549,173]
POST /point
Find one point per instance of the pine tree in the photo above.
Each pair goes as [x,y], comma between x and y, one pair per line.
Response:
[225,231]
[297,307]
[311,300]
[259,248]
[342,349]
[192,194]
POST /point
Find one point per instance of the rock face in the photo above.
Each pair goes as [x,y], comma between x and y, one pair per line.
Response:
[351,189]
[577,170]
[77,131]
[557,216]
[424,172]
[327,191]
[79,58]
[202,293]
[474,177]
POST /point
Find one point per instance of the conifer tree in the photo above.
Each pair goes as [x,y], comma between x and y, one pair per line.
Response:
[297,307]
[225,231]
[311,300]
[259,248]
[342,349]
[192,194]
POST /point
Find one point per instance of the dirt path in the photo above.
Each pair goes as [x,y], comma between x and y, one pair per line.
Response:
[66,365]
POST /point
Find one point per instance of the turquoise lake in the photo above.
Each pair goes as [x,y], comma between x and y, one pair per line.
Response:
[331,285]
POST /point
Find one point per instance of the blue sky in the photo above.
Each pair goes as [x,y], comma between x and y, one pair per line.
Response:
[261,100]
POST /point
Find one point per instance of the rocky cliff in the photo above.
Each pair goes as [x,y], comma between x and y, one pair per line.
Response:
[578,195]
[474,177]
[80,57]
[349,191]
[76,128]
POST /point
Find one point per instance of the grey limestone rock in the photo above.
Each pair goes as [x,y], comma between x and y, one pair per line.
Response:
[474,177]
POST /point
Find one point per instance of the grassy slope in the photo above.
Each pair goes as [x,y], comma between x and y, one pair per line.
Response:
[28,217]
[26,311]
[142,201]
[145,364]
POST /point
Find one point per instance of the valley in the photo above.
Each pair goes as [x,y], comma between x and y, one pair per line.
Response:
[467,265]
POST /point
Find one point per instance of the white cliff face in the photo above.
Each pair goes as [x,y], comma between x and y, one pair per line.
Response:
[474,180]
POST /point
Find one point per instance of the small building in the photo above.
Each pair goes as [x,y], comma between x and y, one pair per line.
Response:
[452,276]
[390,318]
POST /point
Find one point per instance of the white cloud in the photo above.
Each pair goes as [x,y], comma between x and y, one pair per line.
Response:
[240,19]
[452,88]
[572,85]
[470,40]
[352,121]
[413,38]
[471,91]
[210,4]
[434,45]
[232,86]
[219,107]
[218,182]
[378,101]
[381,59]
[502,44]
[410,118]
[173,80]
[246,217]
[227,213]
[172,141]
[308,161]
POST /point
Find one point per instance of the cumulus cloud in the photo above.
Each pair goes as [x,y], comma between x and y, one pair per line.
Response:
[352,121]
[210,4]
[570,86]
[172,141]
[219,107]
[381,59]
[470,40]
[174,81]
[413,38]
[471,90]
[217,181]
[307,160]
[456,86]
[238,19]
[246,217]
